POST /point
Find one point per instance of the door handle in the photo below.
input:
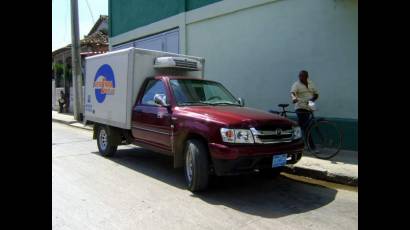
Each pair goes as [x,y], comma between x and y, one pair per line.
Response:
[138,110]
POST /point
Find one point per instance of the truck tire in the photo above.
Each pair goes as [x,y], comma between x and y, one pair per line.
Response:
[104,141]
[196,165]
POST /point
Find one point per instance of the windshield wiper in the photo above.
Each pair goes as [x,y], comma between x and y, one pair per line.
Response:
[224,103]
[195,103]
[207,103]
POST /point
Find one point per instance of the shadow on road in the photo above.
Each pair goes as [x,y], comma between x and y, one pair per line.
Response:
[247,193]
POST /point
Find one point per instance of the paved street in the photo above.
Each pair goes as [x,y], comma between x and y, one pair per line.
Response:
[138,189]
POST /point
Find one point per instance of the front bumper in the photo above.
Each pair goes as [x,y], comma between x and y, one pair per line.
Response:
[231,160]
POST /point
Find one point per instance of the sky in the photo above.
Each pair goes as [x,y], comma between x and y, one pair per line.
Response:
[61,19]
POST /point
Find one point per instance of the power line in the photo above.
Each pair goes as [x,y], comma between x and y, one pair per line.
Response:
[65,20]
[89,9]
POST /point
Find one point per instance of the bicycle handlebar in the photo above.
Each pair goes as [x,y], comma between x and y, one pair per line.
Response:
[284,111]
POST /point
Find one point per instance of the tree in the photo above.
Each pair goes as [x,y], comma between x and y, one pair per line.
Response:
[59,70]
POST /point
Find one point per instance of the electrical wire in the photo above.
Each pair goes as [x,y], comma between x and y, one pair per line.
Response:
[65,20]
[91,13]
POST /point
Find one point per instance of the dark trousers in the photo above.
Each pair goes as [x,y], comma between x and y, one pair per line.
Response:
[60,107]
[303,120]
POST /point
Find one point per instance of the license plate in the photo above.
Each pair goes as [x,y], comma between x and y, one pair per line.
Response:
[279,160]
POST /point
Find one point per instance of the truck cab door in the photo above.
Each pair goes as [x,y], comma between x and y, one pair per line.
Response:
[151,122]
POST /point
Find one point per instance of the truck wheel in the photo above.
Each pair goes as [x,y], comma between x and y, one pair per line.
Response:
[106,148]
[270,173]
[196,165]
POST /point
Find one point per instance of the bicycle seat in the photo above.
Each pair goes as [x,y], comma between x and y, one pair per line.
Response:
[283,105]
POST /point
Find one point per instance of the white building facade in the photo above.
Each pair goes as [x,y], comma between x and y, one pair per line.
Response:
[256,48]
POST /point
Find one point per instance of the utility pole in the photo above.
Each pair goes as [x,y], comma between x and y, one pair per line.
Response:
[75,54]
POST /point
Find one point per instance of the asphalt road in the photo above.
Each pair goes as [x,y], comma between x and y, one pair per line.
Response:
[138,189]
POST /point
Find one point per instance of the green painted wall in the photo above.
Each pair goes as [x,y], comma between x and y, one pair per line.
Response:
[349,130]
[193,4]
[126,15]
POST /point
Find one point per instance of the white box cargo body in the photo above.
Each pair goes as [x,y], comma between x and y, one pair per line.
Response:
[113,80]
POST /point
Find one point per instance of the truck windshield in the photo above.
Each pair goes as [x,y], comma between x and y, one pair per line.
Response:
[200,92]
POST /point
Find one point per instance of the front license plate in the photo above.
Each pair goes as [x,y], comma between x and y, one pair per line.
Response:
[279,160]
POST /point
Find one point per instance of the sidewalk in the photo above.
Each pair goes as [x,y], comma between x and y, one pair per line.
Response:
[68,119]
[342,169]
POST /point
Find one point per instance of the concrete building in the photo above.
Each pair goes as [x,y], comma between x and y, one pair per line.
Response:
[95,42]
[256,48]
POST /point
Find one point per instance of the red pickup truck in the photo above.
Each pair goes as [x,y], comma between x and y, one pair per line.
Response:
[196,121]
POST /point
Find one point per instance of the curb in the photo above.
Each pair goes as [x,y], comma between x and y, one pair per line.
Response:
[71,123]
[322,175]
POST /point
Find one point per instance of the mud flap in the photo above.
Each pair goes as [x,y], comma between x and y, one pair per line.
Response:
[115,135]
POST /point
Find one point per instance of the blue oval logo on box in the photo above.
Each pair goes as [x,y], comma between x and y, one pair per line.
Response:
[104,83]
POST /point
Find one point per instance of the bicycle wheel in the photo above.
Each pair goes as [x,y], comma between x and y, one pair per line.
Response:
[324,139]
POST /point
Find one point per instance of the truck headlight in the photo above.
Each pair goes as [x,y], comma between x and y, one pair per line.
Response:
[297,132]
[237,135]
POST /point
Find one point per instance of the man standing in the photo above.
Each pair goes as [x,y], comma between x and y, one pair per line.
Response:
[302,92]
[61,102]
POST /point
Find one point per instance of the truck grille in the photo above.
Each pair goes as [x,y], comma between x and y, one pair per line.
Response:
[278,135]
[185,64]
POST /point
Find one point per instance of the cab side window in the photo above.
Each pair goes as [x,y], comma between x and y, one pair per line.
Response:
[153,88]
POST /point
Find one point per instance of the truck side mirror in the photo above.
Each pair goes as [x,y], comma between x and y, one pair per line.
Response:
[241,101]
[161,99]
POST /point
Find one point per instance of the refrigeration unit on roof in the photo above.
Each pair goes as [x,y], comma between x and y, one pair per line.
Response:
[177,62]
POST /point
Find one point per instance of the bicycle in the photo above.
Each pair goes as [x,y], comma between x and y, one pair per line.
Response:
[322,137]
